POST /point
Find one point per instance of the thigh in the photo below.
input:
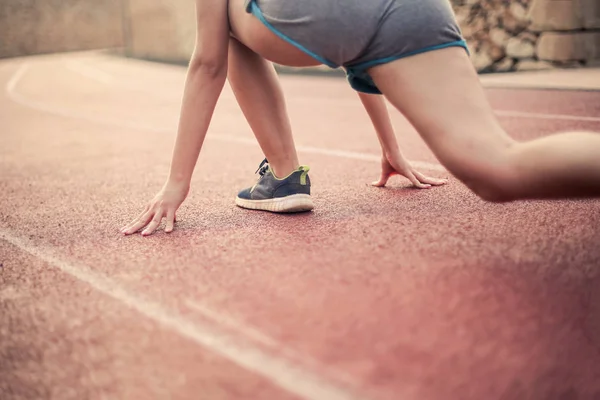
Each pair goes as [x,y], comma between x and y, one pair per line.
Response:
[439,92]
[251,32]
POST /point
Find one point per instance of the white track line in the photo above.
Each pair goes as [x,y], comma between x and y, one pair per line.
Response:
[91,73]
[223,320]
[564,117]
[161,315]
[288,376]
[105,77]
[18,98]
[12,82]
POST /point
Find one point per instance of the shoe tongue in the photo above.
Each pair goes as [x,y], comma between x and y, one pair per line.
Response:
[262,164]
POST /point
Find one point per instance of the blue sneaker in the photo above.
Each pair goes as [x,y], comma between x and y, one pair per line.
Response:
[281,195]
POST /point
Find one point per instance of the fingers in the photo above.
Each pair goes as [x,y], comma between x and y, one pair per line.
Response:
[151,219]
[430,180]
[383,179]
[154,223]
[415,177]
[170,221]
[138,223]
[139,217]
[411,177]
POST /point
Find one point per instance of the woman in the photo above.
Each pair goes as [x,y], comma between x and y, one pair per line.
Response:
[411,51]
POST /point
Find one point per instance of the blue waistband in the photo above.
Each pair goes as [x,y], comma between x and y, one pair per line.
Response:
[356,74]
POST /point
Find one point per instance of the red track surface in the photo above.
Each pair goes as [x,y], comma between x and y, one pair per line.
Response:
[378,294]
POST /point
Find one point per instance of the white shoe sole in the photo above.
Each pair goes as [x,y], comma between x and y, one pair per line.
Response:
[289,204]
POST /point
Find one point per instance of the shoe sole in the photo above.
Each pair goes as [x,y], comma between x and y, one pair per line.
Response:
[289,204]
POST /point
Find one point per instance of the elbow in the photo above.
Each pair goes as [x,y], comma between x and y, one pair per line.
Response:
[211,68]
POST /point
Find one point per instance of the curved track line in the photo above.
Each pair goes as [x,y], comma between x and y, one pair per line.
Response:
[105,77]
[289,376]
[564,117]
[18,98]
[95,74]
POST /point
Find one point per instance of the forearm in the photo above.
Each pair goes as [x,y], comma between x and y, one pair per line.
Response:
[202,89]
[380,118]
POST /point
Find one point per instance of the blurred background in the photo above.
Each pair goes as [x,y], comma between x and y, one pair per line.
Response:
[503,35]
[401,293]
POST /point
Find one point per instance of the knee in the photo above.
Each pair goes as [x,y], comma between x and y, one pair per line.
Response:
[494,191]
[495,180]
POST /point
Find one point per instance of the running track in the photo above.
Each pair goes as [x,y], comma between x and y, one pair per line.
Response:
[378,294]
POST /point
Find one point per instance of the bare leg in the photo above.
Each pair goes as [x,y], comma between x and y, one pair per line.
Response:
[440,94]
[257,90]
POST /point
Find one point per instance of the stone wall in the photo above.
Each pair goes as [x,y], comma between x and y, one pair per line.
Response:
[509,35]
[503,35]
[568,30]
[48,26]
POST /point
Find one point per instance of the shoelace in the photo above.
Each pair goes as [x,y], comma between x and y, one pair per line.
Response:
[263,167]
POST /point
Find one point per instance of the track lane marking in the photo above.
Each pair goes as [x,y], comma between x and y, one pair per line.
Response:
[289,376]
[15,96]
[101,76]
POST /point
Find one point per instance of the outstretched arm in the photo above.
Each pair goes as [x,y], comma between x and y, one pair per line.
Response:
[392,160]
[205,79]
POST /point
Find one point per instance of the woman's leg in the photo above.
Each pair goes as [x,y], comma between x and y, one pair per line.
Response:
[256,86]
[440,94]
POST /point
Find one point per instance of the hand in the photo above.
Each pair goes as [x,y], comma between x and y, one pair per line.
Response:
[399,166]
[164,204]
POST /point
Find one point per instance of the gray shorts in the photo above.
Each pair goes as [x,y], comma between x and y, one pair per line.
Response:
[359,34]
